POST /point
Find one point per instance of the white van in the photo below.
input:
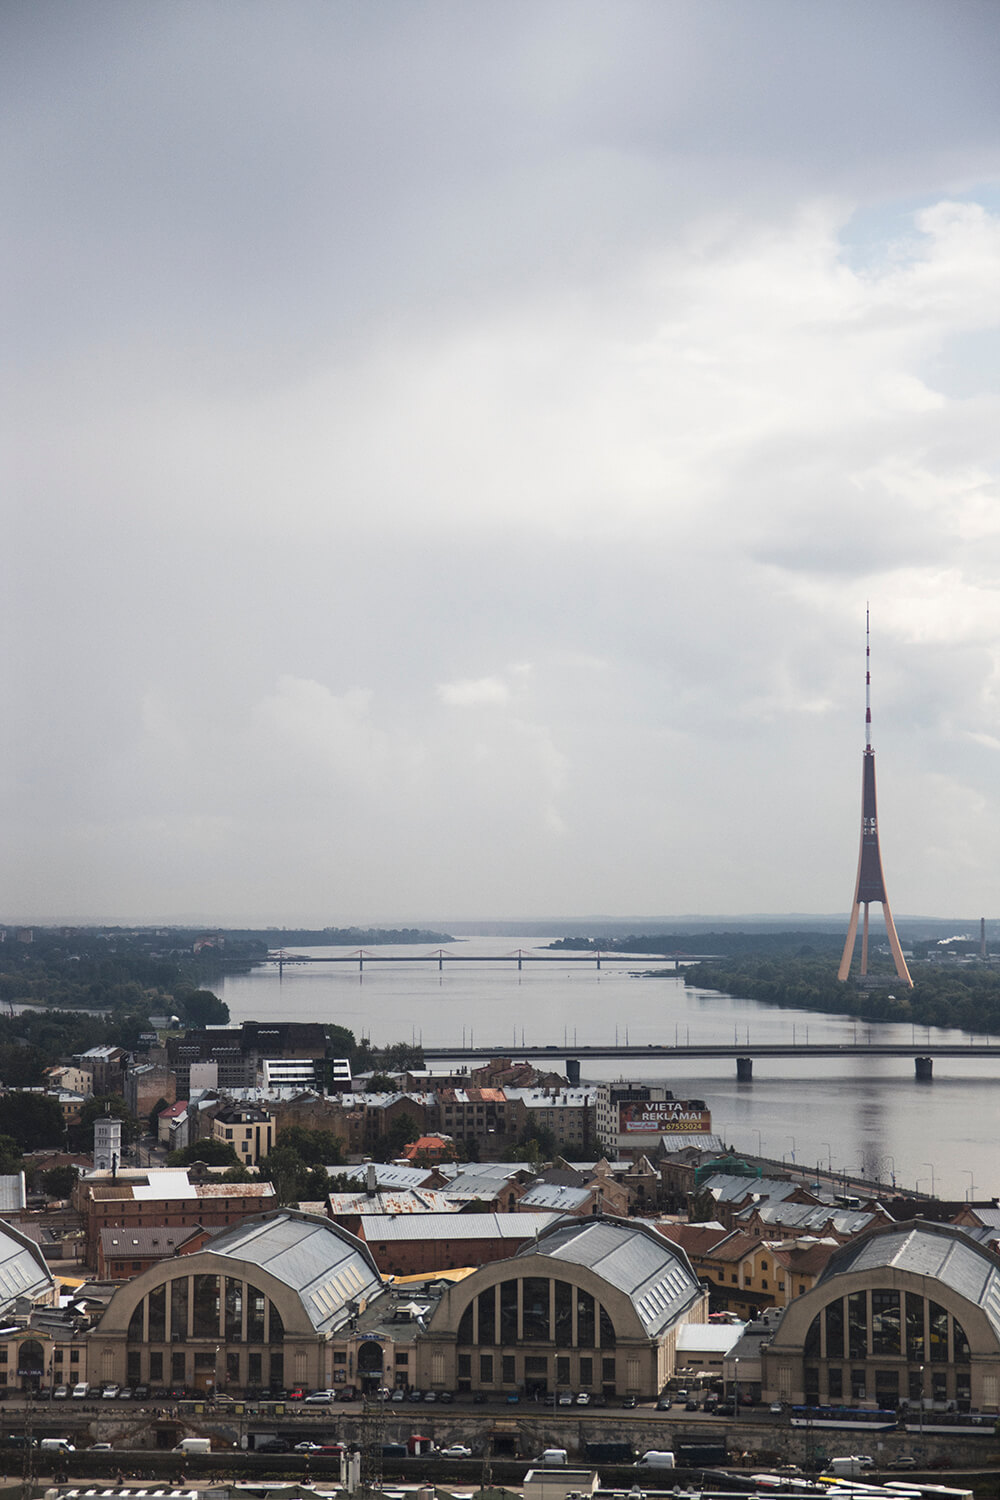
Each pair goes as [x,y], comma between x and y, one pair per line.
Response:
[194,1445]
[552,1457]
[81,1391]
[656,1458]
[56,1445]
[849,1466]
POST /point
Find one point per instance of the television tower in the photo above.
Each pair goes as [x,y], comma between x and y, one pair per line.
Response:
[870,885]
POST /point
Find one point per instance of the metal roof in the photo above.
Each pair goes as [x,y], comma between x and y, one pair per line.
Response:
[326,1266]
[655,1274]
[12,1193]
[727,1187]
[941,1252]
[23,1272]
[386,1227]
[556,1196]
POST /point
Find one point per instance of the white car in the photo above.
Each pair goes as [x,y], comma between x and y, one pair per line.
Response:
[583,1399]
[307,1447]
[565,1398]
[456,1450]
[110,1392]
[319,1398]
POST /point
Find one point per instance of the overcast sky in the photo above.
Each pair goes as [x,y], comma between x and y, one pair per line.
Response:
[449,448]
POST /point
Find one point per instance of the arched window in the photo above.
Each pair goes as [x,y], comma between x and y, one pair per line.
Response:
[608,1339]
[811,1347]
[465,1326]
[961,1343]
[134,1335]
[30,1358]
[276,1326]
[535,1315]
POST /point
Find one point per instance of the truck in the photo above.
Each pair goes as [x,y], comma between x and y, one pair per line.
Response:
[610,1453]
[701,1455]
[56,1445]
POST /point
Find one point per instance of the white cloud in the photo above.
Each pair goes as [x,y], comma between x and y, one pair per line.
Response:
[470,692]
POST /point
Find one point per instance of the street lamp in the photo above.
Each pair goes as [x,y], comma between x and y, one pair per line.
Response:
[760,1150]
[792,1139]
[736,1386]
[921,1401]
[829,1156]
[972,1184]
[931,1165]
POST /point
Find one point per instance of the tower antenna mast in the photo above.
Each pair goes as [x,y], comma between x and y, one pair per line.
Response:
[870,883]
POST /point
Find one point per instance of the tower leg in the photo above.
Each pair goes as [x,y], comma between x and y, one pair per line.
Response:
[852,932]
[744,1069]
[897,952]
[864,942]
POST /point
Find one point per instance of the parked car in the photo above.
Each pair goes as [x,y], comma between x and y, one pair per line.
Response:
[691,1404]
[446,1396]
[583,1399]
[565,1398]
[141,1393]
[398,1394]
[776,1408]
[456,1450]
[903,1461]
[664,1402]
[628,1402]
[346,1393]
[273,1445]
[110,1392]
[60,1393]
[307,1447]
[414,1395]
[430,1395]
[319,1398]
[298,1393]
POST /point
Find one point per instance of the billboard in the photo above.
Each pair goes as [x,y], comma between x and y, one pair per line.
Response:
[663,1117]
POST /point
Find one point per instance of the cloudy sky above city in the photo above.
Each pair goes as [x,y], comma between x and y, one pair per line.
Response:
[450,447]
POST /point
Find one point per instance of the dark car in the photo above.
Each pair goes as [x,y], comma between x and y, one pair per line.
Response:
[142,1393]
[479,1398]
[630,1401]
[725,1408]
[599,1400]
[446,1396]
[664,1402]
[691,1404]
[273,1445]
[346,1393]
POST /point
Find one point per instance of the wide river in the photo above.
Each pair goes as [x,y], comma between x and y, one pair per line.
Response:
[856,1114]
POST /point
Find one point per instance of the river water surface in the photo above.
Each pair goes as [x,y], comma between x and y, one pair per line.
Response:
[852,1113]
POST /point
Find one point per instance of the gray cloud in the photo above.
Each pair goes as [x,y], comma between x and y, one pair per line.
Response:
[449,450]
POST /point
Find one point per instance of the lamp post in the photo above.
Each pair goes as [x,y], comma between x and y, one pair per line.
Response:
[736,1386]
[921,1402]
[760,1149]
[792,1139]
[972,1184]
[931,1165]
[829,1156]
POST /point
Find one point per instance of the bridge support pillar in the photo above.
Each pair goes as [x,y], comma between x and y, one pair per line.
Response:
[744,1069]
[573,1072]
[924,1068]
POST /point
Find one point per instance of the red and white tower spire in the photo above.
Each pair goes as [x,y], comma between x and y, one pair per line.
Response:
[870,884]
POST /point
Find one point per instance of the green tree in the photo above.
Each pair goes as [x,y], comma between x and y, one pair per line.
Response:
[58,1182]
[11,1160]
[288,1173]
[380,1083]
[316,1147]
[34,1120]
[237,1173]
[317,1186]
[212,1152]
[202,1008]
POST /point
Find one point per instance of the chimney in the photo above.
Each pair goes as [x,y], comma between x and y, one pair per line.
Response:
[371,1179]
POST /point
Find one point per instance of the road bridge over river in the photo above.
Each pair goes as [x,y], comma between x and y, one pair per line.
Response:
[923,1053]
